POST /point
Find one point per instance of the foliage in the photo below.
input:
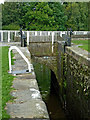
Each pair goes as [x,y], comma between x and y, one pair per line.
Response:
[41,18]
[45,15]
[9,13]
[59,15]
[11,27]
[6,82]
[77,14]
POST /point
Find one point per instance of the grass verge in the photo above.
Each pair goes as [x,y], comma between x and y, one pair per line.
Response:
[6,81]
[0,83]
[85,44]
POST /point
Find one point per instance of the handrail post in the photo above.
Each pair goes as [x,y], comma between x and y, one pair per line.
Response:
[8,36]
[35,33]
[1,36]
[27,37]
[15,33]
[40,33]
[52,38]
[48,33]
[61,33]
[9,54]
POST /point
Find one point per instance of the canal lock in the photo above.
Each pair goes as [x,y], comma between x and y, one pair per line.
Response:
[48,86]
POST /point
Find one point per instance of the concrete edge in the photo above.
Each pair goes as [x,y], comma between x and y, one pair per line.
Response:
[79,54]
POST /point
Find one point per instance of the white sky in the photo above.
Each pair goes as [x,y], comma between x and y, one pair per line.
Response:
[1,1]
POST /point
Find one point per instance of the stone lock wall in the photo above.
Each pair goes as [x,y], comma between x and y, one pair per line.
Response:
[74,82]
[42,53]
[77,90]
[71,67]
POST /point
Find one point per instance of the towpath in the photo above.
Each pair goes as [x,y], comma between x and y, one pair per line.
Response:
[27,101]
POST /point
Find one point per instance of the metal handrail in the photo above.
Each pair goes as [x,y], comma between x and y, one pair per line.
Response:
[23,56]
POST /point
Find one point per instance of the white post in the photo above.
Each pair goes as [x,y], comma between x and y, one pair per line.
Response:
[85,32]
[35,33]
[27,37]
[1,36]
[8,36]
[52,38]
[9,54]
[61,33]
[74,32]
[40,33]
[15,33]
[48,33]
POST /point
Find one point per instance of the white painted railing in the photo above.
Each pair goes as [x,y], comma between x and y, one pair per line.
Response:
[23,56]
[8,36]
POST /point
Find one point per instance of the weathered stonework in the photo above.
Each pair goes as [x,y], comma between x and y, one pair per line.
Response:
[81,37]
[77,90]
[42,49]
[74,81]
[71,67]
[42,53]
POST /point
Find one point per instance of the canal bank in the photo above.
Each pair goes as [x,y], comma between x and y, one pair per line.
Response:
[73,77]
[27,101]
[74,81]
[71,69]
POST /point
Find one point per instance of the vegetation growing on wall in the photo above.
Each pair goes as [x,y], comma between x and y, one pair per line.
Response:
[73,79]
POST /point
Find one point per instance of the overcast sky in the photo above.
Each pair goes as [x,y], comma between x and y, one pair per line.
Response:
[1,1]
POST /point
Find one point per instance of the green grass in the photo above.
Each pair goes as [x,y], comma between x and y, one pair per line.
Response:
[85,44]
[0,83]
[6,81]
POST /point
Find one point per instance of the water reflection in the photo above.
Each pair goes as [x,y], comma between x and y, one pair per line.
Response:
[43,76]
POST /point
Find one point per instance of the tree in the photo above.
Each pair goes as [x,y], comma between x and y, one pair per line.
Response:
[9,13]
[40,17]
[59,14]
[77,14]
[52,16]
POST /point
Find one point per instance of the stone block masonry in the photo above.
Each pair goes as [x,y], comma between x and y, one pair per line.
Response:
[27,103]
[78,84]
[74,81]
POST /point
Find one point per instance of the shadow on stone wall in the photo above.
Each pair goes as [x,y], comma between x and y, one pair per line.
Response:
[72,77]
[74,81]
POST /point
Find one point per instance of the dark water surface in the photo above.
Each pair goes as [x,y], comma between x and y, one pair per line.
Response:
[43,76]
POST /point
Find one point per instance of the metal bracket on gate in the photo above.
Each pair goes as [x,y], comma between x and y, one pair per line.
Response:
[23,56]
